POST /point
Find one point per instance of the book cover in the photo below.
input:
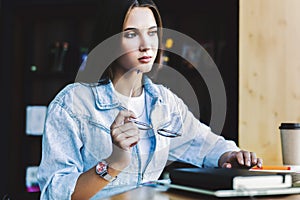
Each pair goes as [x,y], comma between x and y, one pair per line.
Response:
[226,179]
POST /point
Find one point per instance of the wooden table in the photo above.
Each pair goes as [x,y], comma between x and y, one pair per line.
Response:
[159,193]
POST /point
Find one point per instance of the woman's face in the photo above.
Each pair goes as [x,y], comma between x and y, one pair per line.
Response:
[139,40]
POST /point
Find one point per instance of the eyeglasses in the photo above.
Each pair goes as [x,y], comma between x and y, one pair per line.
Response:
[161,131]
[165,130]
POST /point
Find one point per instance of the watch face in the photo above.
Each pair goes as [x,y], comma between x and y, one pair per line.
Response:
[101,167]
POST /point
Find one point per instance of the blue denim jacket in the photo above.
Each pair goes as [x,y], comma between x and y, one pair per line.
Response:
[77,136]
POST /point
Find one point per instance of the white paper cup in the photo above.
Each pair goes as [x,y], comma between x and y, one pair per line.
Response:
[290,143]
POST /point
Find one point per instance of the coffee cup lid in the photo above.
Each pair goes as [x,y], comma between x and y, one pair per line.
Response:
[289,126]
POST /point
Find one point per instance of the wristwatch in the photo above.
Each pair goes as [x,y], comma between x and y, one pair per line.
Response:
[101,170]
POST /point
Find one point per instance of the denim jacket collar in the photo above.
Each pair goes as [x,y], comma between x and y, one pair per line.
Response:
[106,98]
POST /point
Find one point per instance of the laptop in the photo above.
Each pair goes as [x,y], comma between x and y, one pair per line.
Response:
[191,179]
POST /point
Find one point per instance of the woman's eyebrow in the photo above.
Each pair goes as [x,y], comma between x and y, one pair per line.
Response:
[132,28]
[152,27]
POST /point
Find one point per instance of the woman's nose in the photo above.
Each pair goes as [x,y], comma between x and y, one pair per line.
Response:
[144,44]
[144,48]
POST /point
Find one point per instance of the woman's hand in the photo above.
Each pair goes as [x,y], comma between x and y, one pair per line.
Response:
[239,159]
[125,135]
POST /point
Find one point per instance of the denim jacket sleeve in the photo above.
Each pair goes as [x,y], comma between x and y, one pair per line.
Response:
[198,145]
[61,158]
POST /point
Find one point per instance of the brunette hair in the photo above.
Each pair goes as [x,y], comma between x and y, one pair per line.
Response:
[111,17]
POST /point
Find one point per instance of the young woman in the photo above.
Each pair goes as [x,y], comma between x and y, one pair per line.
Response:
[95,144]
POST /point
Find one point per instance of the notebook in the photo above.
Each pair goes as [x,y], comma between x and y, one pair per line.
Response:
[222,182]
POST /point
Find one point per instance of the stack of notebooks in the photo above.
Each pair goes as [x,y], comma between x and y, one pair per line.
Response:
[294,170]
[223,182]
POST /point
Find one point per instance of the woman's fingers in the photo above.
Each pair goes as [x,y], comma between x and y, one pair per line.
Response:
[125,134]
[121,118]
[118,137]
[239,156]
[259,162]
[248,159]
[129,142]
[253,158]
[242,159]
[128,129]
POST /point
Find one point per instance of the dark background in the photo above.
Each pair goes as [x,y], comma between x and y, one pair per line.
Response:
[29,29]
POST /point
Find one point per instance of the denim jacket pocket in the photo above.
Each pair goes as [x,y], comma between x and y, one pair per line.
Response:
[97,140]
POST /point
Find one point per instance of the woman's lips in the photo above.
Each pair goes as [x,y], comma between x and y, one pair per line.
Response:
[145,59]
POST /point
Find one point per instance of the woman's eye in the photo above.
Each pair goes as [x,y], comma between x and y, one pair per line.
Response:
[153,33]
[130,34]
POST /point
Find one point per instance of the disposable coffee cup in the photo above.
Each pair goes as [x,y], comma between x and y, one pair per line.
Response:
[290,143]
